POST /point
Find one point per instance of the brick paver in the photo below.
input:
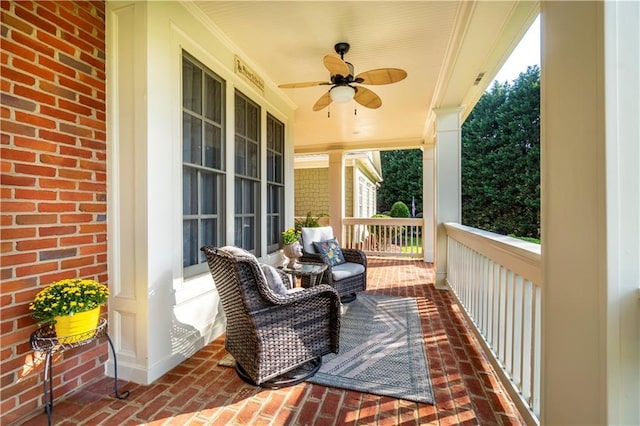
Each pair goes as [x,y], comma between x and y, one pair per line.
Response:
[199,392]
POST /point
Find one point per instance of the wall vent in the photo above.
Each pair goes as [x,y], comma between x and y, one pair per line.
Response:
[478,79]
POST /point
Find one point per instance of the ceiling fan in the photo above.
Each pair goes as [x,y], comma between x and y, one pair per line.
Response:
[344,86]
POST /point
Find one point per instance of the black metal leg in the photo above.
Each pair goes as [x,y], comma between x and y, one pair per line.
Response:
[48,393]
[124,394]
[45,341]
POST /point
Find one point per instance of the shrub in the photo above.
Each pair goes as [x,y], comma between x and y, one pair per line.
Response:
[381,215]
[400,209]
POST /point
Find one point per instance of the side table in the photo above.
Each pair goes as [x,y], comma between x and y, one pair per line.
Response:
[44,340]
[310,273]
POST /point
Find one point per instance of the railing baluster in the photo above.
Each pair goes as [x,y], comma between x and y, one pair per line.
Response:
[510,320]
[527,339]
[485,293]
[535,352]
[385,236]
[497,281]
[517,331]
[502,319]
[496,317]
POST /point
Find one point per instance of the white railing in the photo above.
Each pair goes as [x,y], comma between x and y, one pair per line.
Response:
[498,282]
[384,237]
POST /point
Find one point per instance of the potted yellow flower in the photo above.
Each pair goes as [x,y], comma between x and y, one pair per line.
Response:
[290,236]
[72,306]
[292,248]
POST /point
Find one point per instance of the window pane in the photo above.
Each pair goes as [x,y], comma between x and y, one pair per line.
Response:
[209,193]
[252,153]
[277,199]
[212,106]
[248,230]
[253,122]
[238,232]
[270,133]
[189,191]
[218,157]
[273,228]
[189,242]
[238,196]
[279,140]
[191,139]
[241,156]
[240,116]
[270,166]
[191,86]
[248,197]
[208,232]
[213,147]
[279,172]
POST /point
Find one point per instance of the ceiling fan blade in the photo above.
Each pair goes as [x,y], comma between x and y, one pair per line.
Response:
[323,102]
[367,98]
[335,65]
[382,76]
[302,84]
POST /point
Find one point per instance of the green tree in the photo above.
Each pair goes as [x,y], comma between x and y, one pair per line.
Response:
[402,174]
[501,159]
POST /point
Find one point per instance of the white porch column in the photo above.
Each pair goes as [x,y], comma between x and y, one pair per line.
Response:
[447,189]
[428,202]
[336,192]
[590,209]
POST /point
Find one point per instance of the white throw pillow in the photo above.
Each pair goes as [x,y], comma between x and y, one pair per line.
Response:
[274,280]
[236,251]
[309,235]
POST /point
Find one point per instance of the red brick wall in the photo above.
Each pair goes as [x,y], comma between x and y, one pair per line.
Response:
[53,212]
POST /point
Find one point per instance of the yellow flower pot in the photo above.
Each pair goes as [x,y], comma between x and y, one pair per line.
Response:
[75,328]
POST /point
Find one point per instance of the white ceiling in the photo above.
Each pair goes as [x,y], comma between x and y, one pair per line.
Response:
[443,46]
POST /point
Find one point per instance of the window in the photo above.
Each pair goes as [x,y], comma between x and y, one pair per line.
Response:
[366,197]
[275,183]
[247,179]
[203,177]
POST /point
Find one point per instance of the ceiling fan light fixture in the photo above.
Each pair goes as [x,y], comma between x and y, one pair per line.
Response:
[342,94]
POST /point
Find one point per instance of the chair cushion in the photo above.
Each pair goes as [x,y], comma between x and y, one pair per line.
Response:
[330,251]
[274,280]
[309,235]
[346,270]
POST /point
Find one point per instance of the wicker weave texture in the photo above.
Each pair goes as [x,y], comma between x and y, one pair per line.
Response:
[270,334]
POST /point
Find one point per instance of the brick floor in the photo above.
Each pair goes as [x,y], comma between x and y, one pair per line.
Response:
[199,392]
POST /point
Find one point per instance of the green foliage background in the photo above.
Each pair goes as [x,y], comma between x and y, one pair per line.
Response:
[500,162]
[501,159]
[402,174]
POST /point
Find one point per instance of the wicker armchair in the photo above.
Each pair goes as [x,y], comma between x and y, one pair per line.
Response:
[347,278]
[276,339]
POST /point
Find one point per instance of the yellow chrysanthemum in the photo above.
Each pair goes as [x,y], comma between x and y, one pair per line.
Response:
[67,297]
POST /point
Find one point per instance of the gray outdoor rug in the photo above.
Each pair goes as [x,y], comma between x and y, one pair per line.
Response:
[381,350]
